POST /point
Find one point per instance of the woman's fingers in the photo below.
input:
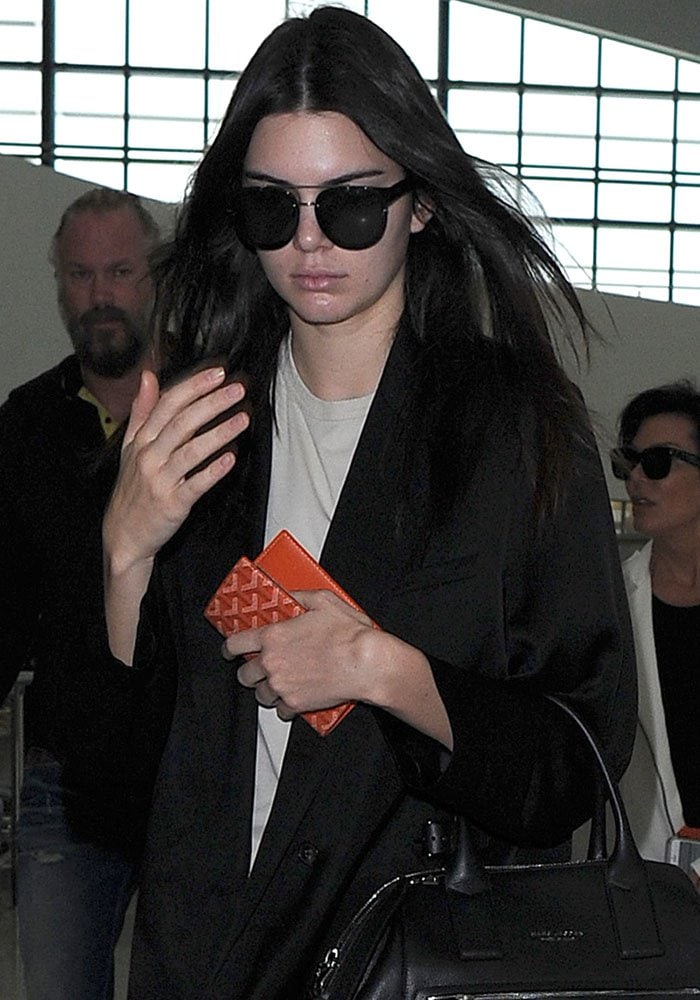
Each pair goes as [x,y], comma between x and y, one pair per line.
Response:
[164,439]
[251,675]
[309,662]
[143,404]
[155,489]
[188,425]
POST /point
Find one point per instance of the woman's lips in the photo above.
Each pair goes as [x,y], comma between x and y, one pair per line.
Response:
[316,281]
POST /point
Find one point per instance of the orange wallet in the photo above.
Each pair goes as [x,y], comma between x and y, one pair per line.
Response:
[255,593]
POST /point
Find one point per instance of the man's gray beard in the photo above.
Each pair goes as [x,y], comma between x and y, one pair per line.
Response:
[102,354]
[113,362]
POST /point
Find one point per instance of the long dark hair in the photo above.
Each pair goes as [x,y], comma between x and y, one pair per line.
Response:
[478,273]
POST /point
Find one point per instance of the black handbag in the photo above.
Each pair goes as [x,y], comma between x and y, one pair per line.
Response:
[610,926]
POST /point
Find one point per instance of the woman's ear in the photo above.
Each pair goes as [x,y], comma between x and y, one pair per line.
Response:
[422,213]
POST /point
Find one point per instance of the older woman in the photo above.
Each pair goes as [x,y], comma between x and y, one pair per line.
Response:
[659,458]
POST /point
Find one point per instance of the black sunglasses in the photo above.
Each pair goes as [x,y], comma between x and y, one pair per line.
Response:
[655,461]
[352,217]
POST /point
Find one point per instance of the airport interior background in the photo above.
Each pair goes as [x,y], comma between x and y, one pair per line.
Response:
[595,106]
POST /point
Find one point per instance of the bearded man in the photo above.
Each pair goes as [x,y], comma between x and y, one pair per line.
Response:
[93,744]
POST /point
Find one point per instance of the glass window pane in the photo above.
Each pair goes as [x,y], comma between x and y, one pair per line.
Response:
[631,67]
[686,251]
[636,117]
[559,55]
[689,120]
[688,297]
[484,110]
[162,181]
[298,8]
[636,176]
[638,284]
[494,148]
[634,248]
[166,112]
[218,94]
[559,114]
[233,39]
[688,157]
[686,284]
[20,106]
[182,44]
[417,34]
[634,202]
[618,154]
[102,172]
[484,44]
[104,24]
[562,152]
[27,152]
[89,109]
[559,173]
[689,76]
[688,207]
[20,37]
[486,123]
[565,199]
[573,246]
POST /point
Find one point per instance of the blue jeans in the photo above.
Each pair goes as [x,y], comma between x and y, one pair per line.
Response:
[72,894]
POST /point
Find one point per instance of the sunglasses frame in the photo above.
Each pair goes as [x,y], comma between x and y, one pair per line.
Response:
[625,458]
[385,197]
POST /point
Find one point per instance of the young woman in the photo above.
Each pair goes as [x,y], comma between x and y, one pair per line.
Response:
[412,428]
[659,458]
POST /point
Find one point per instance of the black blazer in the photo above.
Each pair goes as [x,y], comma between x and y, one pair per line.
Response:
[501,619]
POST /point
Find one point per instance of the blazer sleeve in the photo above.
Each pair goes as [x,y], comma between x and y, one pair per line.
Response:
[531,614]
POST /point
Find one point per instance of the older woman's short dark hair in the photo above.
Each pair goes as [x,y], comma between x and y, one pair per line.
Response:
[681,397]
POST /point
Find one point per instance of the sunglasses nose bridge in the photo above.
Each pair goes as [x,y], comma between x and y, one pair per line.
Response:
[635,470]
[309,233]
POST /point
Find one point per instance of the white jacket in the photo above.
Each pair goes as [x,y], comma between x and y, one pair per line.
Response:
[648,786]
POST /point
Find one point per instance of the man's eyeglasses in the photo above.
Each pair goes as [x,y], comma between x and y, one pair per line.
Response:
[353,217]
[655,461]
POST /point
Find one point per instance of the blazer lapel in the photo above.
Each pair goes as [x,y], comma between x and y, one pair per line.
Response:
[359,554]
[651,716]
[360,550]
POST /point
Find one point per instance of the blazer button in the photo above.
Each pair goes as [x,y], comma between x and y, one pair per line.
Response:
[307,854]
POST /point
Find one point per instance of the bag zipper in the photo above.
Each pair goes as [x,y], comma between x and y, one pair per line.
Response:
[330,964]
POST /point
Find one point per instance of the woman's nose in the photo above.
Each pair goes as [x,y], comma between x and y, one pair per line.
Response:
[309,235]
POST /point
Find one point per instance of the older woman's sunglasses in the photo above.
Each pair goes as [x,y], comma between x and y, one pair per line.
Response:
[655,461]
[353,217]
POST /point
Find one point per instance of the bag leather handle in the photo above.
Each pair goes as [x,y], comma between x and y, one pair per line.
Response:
[628,893]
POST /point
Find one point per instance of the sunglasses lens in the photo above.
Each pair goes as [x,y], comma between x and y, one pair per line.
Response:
[656,462]
[268,217]
[354,218]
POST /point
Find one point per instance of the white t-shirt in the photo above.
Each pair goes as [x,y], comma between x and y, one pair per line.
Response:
[312,447]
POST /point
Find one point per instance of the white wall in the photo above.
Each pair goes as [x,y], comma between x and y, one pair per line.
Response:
[644,343]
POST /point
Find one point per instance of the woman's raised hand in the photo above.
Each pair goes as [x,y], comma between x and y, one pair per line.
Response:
[154,492]
[156,487]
